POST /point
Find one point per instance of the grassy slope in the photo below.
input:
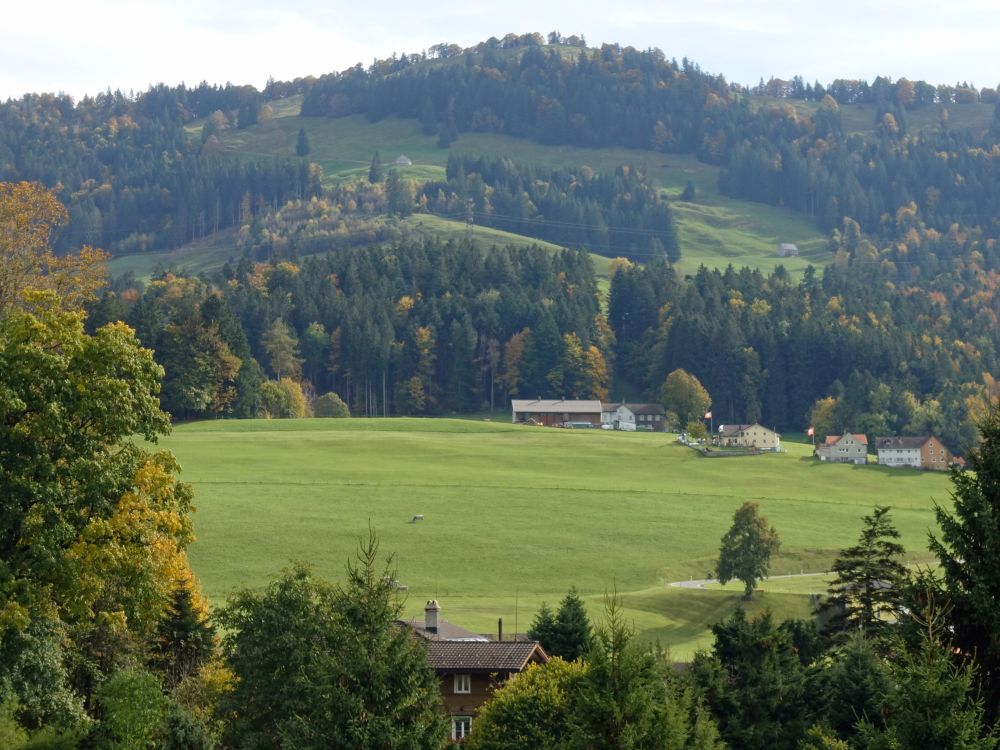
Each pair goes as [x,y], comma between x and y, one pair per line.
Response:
[515,515]
[714,230]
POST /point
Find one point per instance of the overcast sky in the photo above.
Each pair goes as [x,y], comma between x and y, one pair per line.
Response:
[85,47]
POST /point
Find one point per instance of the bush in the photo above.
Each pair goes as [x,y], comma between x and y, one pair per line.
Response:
[330,405]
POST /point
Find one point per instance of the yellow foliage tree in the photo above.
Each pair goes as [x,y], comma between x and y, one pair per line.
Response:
[29,215]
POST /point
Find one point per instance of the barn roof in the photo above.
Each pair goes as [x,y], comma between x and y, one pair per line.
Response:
[565,406]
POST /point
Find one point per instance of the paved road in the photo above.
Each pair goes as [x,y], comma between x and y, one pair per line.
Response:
[700,583]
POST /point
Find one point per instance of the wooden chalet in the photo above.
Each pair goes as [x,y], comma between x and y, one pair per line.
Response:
[470,666]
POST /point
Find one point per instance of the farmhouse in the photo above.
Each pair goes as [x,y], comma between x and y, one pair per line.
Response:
[469,666]
[645,417]
[749,436]
[925,452]
[560,412]
[788,250]
[404,161]
[844,449]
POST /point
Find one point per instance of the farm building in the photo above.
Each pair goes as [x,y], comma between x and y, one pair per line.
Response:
[924,452]
[749,436]
[623,416]
[788,250]
[404,161]
[844,449]
[556,412]
[469,666]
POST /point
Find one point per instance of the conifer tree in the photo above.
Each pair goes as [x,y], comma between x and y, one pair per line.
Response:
[543,629]
[969,551]
[376,173]
[184,638]
[302,143]
[572,627]
[868,580]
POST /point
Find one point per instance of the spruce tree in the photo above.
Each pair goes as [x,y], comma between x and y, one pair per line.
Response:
[868,580]
[572,626]
[376,173]
[302,143]
[184,638]
[543,629]
[969,551]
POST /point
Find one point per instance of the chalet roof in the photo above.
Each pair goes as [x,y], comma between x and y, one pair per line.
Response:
[565,406]
[646,408]
[834,439]
[731,430]
[734,430]
[901,442]
[483,656]
[635,408]
[446,631]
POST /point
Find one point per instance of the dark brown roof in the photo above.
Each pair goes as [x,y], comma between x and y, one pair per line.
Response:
[731,430]
[483,657]
[882,443]
[646,408]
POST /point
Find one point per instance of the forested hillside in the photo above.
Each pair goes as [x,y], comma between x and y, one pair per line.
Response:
[899,333]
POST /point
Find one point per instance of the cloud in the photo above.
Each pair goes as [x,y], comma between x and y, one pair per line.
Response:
[87,47]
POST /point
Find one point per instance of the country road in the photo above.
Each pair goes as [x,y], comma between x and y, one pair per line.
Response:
[700,583]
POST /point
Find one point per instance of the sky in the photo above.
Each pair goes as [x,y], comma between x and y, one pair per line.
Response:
[87,47]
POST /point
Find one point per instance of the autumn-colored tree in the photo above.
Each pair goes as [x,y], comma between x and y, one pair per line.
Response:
[513,356]
[282,349]
[683,394]
[283,399]
[92,526]
[823,417]
[29,216]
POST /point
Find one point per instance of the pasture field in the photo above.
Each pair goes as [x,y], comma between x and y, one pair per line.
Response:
[515,515]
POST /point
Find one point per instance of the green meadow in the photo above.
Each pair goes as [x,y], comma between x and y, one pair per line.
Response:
[515,515]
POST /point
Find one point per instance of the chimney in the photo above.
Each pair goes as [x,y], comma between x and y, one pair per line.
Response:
[499,628]
[431,612]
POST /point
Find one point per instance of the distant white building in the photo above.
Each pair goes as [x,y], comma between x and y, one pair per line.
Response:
[404,161]
[844,449]
[787,250]
[630,417]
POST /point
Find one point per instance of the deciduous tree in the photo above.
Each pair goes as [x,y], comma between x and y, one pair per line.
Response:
[29,216]
[745,554]
[683,394]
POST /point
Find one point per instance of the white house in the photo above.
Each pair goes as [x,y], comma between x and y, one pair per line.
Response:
[630,417]
[844,449]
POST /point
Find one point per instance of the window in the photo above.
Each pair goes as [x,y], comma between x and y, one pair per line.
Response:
[460,727]
[463,683]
